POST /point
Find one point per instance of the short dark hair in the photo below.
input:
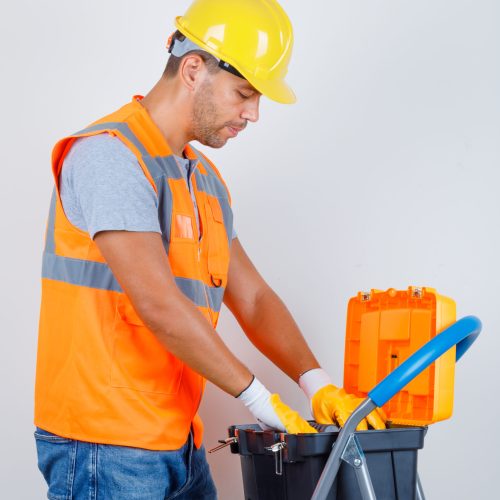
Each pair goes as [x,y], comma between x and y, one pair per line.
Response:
[174,62]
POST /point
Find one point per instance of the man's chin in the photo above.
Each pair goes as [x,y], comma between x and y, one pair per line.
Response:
[215,143]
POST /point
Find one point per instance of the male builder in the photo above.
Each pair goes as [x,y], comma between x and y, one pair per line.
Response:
[139,255]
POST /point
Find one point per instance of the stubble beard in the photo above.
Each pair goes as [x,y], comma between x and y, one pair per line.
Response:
[205,119]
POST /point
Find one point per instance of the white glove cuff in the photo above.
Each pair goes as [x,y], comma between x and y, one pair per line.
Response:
[256,398]
[313,380]
[255,394]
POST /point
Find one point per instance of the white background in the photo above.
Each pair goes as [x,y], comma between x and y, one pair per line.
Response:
[385,174]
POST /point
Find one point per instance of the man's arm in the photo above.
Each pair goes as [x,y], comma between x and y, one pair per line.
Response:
[140,264]
[270,326]
[264,317]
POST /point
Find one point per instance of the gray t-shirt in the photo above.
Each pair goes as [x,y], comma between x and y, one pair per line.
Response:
[103,187]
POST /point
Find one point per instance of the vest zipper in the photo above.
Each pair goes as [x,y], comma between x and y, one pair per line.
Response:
[205,290]
[200,239]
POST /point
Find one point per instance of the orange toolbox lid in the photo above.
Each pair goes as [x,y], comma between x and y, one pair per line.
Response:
[383,330]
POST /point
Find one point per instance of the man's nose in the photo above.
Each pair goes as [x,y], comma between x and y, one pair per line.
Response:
[251,111]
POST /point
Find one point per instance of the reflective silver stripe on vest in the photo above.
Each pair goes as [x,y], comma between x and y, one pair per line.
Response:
[211,182]
[161,167]
[50,243]
[227,213]
[165,213]
[212,185]
[195,290]
[158,166]
[79,272]
[154,167]
[215,296]
[99,275]
[121,127]
[206,184]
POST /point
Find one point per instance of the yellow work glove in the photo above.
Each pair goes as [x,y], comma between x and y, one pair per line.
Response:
[333,405]
[271,412]
[292,421]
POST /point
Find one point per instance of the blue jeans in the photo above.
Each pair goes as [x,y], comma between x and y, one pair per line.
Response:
[76,470]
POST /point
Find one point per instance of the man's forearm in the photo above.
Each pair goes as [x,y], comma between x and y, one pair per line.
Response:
[184,331]
[272,329]
[141,266]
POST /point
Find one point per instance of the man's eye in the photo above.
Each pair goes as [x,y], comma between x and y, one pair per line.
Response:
[244,96]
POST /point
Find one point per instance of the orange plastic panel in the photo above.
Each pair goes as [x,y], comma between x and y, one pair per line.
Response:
[383,330]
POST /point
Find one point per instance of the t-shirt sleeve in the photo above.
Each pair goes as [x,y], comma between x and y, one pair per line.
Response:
[103,188]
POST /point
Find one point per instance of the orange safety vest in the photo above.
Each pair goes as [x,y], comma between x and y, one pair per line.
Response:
[102,376]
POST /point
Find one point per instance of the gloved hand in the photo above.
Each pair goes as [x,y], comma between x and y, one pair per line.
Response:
[331,404]
[271,412]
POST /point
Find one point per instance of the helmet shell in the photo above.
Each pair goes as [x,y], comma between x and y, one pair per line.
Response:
[254,36]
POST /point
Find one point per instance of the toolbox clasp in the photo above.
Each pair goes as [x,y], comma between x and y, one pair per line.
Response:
[277,449]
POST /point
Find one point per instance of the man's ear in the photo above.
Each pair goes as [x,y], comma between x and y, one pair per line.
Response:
[192,70]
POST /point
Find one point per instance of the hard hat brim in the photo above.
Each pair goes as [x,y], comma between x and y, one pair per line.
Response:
[276,90]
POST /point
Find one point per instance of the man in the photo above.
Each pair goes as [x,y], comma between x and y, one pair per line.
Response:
[140,252]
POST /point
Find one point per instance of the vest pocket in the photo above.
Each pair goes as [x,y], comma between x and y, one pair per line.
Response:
[182,227]
[139,360]
[218,245]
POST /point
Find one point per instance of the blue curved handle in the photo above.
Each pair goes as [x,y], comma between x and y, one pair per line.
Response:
[462,333]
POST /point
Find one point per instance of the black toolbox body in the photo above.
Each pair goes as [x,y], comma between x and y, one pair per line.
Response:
[391,456]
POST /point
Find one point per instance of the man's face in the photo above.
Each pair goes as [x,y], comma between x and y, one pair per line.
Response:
[223,105]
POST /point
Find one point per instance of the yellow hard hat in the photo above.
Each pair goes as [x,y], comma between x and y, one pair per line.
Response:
[253,36]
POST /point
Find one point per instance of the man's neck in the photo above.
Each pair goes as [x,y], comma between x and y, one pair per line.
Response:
[168,108]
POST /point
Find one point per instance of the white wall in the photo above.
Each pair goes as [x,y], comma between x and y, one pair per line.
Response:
[384,174]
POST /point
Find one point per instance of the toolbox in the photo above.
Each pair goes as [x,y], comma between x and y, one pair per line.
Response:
[403,343]
[278,466]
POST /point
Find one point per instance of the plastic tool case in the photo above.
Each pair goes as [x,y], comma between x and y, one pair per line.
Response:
[384,329]
[293,472]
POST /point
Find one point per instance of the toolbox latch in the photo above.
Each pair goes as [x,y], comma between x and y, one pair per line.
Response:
[277,449]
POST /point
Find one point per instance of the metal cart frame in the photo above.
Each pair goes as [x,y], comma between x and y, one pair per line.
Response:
[347,448]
